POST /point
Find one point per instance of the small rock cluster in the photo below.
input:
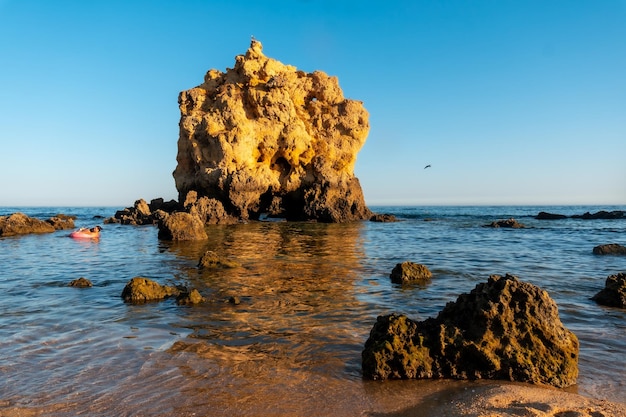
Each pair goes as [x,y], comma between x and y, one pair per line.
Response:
[509,223]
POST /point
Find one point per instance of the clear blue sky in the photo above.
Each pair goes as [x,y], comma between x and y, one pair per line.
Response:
[511,102]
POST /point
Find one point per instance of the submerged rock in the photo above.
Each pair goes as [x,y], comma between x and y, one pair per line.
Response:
[610,249]
[614,292]
[211,259]
[509,223]
[410,272]
[503,329]
[189,297]
[383,218]
[141,290]
[266,138]
[81,282]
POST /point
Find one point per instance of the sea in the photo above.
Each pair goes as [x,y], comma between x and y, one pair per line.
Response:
[282,334]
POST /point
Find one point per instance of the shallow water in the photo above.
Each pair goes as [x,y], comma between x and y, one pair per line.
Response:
[309,293]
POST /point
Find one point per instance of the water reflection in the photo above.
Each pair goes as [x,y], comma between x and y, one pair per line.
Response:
[295,284]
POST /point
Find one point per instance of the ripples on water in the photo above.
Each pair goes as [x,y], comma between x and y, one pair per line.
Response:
[309,295]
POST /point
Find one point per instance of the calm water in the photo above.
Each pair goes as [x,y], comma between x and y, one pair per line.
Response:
[310,294]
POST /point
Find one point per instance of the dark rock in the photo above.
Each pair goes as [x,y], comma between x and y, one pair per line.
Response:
[21,224]
[614,292]
[211,259]
[141,290]
[383,218]
[549,216]
[81,283]
[181,226]
[509,223]
[602,215]
[503,329]
[610,249]
[410,272]
[189,297]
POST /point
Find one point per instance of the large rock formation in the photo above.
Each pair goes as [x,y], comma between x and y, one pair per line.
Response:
[265,138]
[503,329]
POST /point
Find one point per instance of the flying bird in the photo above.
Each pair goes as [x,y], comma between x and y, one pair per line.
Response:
[427,166]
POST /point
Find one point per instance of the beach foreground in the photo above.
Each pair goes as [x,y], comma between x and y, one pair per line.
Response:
[307,297]
[493,399]
[443,398]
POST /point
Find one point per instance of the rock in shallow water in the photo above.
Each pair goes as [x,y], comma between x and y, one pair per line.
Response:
[614,292]
[141,290]
[410,272]
[503,329]
[610,249]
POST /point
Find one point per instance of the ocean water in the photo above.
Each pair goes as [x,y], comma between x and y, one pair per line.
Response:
[309,293]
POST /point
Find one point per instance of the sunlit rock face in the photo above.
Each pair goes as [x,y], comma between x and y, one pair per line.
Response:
[265,138]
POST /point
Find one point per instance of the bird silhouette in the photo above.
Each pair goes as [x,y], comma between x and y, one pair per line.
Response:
[427,166]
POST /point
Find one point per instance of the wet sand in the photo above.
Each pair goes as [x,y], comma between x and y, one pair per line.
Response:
[450,399]
[493,399]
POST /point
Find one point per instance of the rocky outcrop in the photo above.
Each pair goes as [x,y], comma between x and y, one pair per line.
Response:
[610,249]
[614,292]
[181,226]
[265,138]
[142,213]
[503,329]
[21,224]
[410,273]
[141,290]
[509,223]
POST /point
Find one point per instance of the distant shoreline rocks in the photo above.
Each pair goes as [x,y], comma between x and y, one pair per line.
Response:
[600,215]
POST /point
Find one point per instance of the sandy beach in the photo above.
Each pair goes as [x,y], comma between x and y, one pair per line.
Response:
[495,399]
